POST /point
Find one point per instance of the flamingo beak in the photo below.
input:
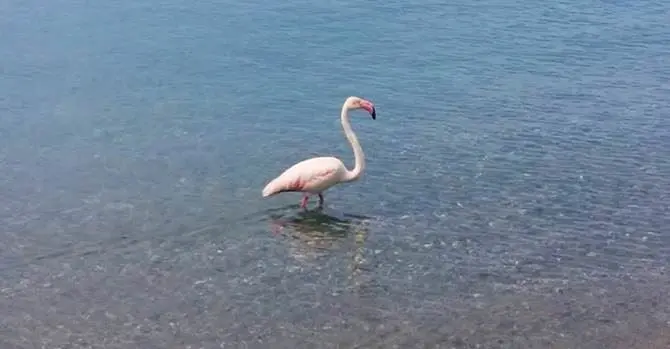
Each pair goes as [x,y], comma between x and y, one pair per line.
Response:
[371,109]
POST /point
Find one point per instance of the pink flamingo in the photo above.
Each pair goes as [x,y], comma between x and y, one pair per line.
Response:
[315,175]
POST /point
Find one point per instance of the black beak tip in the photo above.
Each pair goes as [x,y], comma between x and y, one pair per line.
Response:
[374,114]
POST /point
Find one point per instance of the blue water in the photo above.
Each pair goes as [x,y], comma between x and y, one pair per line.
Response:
[516,194]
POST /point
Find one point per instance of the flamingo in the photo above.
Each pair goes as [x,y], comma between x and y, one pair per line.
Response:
[313,176]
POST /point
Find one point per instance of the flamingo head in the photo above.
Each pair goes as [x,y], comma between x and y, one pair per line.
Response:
[353,103]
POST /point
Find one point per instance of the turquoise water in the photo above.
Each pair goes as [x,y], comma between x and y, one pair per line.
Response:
[516,193]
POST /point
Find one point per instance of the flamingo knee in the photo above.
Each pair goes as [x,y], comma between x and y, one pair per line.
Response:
[303,202]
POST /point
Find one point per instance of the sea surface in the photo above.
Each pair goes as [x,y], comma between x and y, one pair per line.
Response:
[517,190]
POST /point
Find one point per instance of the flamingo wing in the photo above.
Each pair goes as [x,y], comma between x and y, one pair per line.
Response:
[312,175]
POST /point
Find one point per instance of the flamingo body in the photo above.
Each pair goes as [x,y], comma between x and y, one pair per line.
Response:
[311,176]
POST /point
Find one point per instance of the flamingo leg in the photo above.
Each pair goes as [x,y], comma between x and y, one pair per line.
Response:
[320,200]
[303,202]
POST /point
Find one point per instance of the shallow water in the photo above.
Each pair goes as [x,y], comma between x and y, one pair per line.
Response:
[516,192]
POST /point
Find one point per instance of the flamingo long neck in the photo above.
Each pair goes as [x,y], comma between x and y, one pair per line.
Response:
[359,157]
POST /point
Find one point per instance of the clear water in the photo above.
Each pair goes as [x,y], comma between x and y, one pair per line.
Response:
[516,195]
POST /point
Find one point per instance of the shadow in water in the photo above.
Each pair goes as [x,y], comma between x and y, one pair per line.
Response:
[316,224]
[319,232]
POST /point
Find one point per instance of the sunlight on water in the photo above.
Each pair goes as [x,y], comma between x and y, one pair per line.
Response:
[515,194]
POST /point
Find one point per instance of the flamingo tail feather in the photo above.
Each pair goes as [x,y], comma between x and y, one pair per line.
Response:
[271,189]
[279,185]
